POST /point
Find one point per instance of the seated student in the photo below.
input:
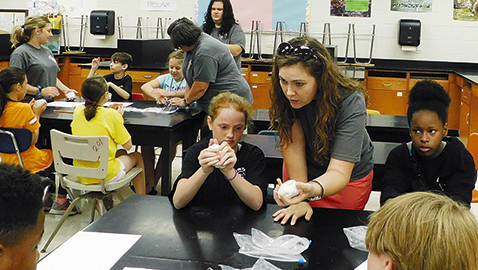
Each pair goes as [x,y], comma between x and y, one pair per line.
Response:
[92,119]
[120,85]
[21,218]
[15,114]
[431,161]
[168,85]
[162,89]
[422,231]
[230,172]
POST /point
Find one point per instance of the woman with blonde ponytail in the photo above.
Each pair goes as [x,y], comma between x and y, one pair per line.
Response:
[35,60]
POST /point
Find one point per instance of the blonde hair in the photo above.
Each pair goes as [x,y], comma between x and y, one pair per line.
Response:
[426,231]
[228,100]
[176,54]
[22,33]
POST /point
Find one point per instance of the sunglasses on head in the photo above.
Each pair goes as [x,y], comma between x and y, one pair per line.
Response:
[303,52]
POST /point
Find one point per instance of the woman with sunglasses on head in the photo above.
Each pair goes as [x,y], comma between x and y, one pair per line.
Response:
[221,25]
[320,116]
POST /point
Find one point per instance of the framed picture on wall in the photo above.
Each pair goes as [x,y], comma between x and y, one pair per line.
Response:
[11,17]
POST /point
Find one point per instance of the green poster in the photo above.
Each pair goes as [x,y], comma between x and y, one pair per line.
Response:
[356,5]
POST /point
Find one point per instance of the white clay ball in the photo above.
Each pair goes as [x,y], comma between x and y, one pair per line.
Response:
[71,95]
[288,189]
[216,146]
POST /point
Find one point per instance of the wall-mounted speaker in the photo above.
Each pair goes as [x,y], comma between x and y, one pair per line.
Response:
[102,22]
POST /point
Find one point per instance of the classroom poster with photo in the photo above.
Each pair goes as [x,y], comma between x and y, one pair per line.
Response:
[411,5]
[465,10]
[350,8]
[268,12]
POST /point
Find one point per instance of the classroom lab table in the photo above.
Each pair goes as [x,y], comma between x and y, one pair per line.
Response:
[146,128]
[201,237]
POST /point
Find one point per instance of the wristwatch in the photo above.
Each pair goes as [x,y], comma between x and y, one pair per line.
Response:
[318,197]
[185,102]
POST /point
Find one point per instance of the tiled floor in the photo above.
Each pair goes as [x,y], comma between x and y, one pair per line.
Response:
[76,223]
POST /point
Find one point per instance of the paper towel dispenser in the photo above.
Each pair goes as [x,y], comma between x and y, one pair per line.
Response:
[409,32]
[102,22]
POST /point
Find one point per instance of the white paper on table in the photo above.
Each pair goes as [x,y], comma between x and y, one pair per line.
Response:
[125,104]
[89,250]
[133,268]
[64,104]
[362,266]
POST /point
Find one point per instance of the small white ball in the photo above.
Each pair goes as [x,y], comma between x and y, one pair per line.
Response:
[288,189]
[71,95]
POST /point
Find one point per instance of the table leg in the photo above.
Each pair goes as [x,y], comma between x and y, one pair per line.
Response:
[166,164]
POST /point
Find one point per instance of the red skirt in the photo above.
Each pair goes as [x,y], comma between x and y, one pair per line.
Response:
[354,196]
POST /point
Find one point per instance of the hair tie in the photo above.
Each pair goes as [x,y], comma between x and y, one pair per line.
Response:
[88,102]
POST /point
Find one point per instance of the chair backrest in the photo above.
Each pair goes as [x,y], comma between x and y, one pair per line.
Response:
[472,146]
[84,148]
[15,141]
[138,96]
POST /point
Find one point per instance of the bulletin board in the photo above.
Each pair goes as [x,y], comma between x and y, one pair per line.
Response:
[11,17]
[269,12]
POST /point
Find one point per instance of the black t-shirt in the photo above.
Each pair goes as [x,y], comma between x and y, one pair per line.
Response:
[216,189]
[452,172]
[126,83]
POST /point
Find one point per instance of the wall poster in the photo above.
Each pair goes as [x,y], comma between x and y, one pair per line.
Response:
[465,10]
[350,8]
[411,5]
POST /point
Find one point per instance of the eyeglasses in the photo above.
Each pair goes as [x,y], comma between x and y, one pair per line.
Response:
[303,52]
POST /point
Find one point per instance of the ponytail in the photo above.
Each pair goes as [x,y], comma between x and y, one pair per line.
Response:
[92,90]
[22,33]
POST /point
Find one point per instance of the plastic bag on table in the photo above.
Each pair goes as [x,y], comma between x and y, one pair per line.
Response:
[356,237]
[285,248]
[261,264]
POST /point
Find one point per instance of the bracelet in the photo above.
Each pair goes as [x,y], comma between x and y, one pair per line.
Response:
[321,193]
[185,102]
[232,177]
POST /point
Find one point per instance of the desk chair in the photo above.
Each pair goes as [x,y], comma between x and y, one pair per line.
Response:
[15,141]
[472,146]
[86,148]
[138,96]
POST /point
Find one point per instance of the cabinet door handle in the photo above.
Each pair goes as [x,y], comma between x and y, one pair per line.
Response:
[386,84]
[468,118]
[148,76]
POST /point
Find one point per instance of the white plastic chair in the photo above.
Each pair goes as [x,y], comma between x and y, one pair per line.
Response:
[85,148]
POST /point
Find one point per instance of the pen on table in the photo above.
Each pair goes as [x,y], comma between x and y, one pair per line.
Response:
[62,111]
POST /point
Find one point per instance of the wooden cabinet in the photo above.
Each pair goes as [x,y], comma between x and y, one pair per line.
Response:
[4,64]
[474,109]
[454,91]
[465,111]
[259,80]
[387,92]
